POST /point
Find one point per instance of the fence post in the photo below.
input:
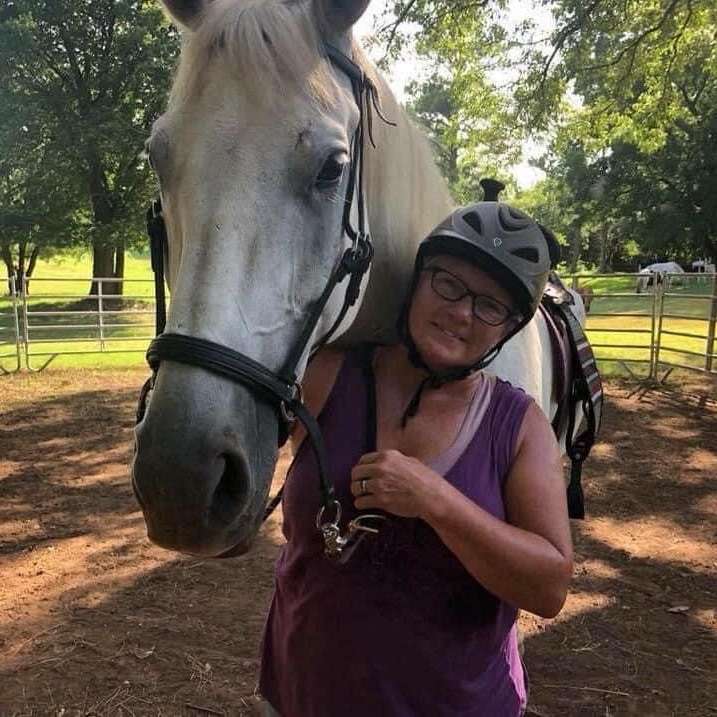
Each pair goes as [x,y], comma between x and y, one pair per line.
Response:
[711,328]
[660,302]
[18,340]
[16,326]
[100,322]
[25,321]
[653,334]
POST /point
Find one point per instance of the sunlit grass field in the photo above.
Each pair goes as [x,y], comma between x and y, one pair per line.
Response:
[619,325]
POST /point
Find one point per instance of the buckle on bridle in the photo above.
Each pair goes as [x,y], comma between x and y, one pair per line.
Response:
[296,397]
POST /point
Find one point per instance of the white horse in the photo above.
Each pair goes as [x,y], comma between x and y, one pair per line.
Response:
[251,157]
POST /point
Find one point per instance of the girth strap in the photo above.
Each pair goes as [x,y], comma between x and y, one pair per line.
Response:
[585,391]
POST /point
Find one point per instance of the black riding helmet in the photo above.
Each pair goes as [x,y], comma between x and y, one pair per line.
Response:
[502,241]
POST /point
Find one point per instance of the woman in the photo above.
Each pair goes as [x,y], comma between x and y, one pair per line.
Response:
[421,619]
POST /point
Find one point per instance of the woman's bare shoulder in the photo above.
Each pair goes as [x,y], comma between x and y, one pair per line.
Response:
[319,378]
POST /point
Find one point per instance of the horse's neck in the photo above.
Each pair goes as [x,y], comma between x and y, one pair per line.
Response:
[406,197]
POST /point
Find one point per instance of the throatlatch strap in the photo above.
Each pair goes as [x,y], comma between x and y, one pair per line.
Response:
[157,232]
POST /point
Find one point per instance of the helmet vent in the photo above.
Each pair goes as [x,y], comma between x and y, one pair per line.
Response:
[473,221]
[511,220]
[528,253]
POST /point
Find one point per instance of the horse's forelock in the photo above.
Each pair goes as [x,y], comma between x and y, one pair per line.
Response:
[271,46]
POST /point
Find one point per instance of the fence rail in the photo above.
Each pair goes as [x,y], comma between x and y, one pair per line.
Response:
[624,325]
[46,323]
[674,308]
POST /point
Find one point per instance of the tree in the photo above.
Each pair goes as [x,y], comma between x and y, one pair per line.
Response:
[93,75]
[628,94]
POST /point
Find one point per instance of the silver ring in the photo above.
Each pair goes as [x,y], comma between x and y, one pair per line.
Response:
[363,487]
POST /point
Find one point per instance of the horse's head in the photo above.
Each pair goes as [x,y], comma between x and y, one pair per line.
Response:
[252,157]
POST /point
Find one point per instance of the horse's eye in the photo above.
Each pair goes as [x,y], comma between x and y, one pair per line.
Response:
[331,172]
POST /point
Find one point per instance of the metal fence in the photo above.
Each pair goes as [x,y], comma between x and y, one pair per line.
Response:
[669,324]
[46,317]
[662,321]
[10,345]
[680,315]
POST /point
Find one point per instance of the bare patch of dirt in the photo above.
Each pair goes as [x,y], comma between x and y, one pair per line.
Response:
[96,621]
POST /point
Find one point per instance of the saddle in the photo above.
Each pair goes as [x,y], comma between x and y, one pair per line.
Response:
[577,385]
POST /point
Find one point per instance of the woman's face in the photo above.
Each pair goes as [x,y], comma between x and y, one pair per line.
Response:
[447,333]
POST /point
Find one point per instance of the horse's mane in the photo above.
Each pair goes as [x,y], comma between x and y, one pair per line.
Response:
[275,47]
[272,45]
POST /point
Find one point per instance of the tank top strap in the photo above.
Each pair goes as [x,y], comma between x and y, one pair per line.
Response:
[354,382]
[479,405]
[505,419]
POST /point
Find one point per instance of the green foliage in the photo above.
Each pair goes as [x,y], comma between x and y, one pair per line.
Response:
[466,115]
[626,91]
[84,80]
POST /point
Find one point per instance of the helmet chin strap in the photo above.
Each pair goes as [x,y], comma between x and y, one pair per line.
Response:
[436,379]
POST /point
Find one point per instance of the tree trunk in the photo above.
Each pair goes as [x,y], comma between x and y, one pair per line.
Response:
[27,272]
[9,266]
[104,261]
[575,240]
[605,253]
[119,270]
[103,267]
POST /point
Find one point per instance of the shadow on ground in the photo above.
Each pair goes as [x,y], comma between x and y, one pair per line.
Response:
[147,633]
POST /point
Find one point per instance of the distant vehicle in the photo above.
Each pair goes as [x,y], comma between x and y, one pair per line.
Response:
[703,266]
[655,273]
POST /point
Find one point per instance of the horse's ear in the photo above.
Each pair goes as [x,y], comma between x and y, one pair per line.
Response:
[186,12]
[339,16]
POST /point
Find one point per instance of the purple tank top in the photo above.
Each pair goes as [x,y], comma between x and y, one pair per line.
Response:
[402,629]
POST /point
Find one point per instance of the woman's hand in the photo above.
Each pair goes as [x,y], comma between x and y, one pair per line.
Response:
[396,483]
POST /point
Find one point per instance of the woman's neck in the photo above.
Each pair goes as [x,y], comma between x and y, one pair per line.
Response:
[405,377]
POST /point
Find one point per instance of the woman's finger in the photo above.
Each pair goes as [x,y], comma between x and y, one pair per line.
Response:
[369,458]
[362,486]
[365,502]
[366,470]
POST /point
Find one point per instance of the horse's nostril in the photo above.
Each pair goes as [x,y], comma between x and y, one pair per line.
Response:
[232,491]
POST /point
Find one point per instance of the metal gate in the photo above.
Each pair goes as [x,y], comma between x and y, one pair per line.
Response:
[667,320]
[53,321]
[687,317]
[10,343]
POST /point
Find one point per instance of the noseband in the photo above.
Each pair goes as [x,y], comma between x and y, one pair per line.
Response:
[281,389]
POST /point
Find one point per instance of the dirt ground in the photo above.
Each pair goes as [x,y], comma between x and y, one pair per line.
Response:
[96,621]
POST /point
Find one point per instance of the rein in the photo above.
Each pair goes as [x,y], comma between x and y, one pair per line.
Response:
[282,389]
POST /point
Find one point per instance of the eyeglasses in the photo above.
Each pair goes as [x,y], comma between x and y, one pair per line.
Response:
[485,308]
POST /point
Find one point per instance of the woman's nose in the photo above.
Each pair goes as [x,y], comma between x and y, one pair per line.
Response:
[463,308]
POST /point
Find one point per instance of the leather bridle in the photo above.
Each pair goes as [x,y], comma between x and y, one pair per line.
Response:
[281,389]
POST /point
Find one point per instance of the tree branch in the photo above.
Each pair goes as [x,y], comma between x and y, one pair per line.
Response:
[632,46]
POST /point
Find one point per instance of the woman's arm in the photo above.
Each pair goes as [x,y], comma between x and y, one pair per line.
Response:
[527,561]
[316,386]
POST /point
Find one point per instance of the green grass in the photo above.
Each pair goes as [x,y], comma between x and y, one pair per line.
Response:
[62,285]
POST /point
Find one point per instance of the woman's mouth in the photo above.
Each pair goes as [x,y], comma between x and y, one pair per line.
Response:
[449,333]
